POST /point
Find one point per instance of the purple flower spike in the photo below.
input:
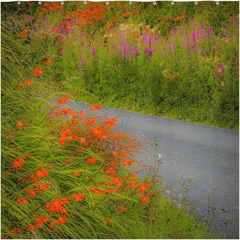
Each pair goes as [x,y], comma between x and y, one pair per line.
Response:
[194,37]
[149,40]
[222,68]
[113,145]
[215,74]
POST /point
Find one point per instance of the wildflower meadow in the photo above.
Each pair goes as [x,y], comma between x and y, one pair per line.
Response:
[68,175]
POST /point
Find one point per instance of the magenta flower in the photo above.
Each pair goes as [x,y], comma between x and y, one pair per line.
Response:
[222,68]
[215,74]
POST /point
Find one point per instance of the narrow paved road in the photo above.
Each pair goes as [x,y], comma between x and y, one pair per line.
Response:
[199,152]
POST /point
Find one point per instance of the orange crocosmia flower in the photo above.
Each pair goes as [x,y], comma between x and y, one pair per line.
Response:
[19,199]
[169,17]
[91,160]
[123,154]
[97,131]
[145,199]
[65,200]
[127,163]
[28,82]
[38,71]
[48,62]
[136,11]
[62,101]
[82,140]
[76,174]
[41,173]
[19,124]
[73,114]
[16,231]
[94,107]
[143,187]
[133,184]
[25,201]
[51,224]
[123,208]
[16,165]
[20,160]
[19,85]
[98,107]
[133,177]
[61,220]
[82,114]
[127,14]
[62,141]
[90,122]
[53,116]
[31,192]
[30,228]
[111,121]
[146,29]
[65,133]
[24,32]
[78,197]
[111,171]
[40,220]
[40,186]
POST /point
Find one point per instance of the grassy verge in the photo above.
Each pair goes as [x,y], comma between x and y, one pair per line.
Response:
[73,177]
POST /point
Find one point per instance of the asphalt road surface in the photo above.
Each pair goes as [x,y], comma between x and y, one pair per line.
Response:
[199,152]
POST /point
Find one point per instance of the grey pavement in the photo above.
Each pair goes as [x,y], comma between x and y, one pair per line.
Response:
[199,152]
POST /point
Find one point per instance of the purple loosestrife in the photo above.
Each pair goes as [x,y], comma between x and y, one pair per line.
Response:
[80,56]
[144,38]
[205,36]
[150,40]
[174,47]
[113,145]
[222,68]
[192,48]
[194,36]
[209,31]
[131,48]
[93,51]
[215,74]
[125,50]
[135,53]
